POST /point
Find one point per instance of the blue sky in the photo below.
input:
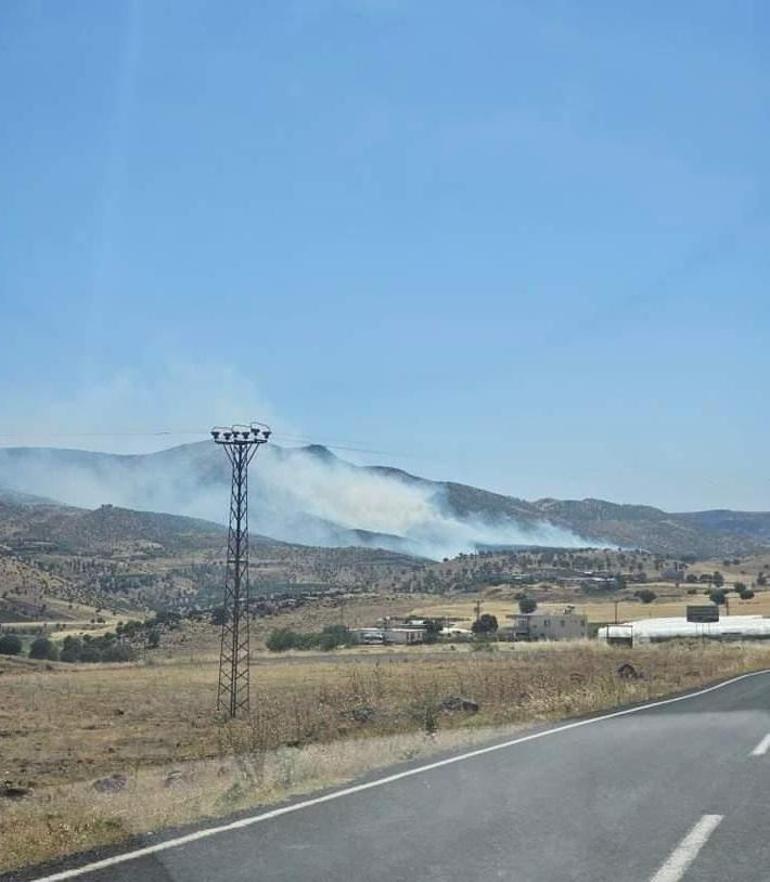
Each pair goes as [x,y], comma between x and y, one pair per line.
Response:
[521,245]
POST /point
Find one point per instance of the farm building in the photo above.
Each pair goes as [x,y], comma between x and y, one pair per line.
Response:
[405,636]
[370,636]
[549,626]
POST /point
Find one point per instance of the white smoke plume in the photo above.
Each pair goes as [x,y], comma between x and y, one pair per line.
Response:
[307,496]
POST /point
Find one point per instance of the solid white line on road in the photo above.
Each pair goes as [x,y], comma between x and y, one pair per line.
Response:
[687,850]
[762,747]
[368,785]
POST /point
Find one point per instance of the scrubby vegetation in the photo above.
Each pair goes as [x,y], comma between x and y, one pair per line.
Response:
[10,644]
[106,648]
[314,723]
[330,637]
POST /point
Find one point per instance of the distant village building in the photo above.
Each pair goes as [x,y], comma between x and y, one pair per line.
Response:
[454,632]
[405,635]
[368,636]
[549,626]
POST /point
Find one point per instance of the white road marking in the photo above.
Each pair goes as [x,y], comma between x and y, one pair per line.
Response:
[379,782]
[762,747]
[687,850]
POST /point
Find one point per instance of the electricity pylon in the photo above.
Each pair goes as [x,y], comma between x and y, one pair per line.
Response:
[241,444]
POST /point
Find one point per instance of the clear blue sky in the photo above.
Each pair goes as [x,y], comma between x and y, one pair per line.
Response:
[522,245]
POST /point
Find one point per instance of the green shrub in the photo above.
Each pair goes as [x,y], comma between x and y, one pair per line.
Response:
[106,647]
[119,652]
[281,639]
[10,644]
[486,624]
[718,596]
[71,649]
[42,647]
[329,638]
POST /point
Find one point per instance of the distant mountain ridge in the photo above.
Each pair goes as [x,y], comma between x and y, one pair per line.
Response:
[310,496]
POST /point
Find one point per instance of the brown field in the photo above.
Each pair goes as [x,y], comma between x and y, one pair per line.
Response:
[316,721]
[670,602]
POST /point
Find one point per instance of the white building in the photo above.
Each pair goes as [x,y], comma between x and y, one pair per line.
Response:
[550,626]
[452,631]
[655,630]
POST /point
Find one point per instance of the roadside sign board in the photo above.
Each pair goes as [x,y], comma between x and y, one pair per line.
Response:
[706,613]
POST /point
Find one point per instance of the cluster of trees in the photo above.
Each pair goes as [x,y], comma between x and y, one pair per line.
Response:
[149,632]
[105,648]
[329,638]
[719,595]
[715,578]
[41,647]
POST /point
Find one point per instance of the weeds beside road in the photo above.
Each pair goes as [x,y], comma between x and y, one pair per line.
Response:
[314,723]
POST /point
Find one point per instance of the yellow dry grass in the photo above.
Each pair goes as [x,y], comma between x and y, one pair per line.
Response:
[315,723]
[463,610]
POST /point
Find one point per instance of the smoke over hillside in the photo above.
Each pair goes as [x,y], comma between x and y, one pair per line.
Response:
[304,495]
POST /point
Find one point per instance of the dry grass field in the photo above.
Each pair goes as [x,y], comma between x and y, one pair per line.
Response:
[670,602]
[316,721]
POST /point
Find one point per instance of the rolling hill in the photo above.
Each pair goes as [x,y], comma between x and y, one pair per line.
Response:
[310,496]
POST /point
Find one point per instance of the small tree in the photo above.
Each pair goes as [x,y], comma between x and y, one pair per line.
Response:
[746,594]
[10,644]
[646,595]
[485,624]
[71,648]
[42,647]
[718,579]
[718,596]
[739,587]
[527,605]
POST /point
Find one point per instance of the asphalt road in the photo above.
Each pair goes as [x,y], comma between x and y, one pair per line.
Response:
[676,790]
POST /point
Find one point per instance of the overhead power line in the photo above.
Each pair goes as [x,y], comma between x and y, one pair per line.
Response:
[349,446]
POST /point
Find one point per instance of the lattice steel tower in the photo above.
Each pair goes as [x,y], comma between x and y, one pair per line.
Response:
[240,444]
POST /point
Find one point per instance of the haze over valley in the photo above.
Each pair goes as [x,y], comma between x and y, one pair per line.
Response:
[310,496]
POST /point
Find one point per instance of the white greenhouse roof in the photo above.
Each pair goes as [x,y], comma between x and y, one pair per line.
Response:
[659,629]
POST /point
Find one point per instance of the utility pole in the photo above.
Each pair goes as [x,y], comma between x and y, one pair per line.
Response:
[240,444]
[478,609]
